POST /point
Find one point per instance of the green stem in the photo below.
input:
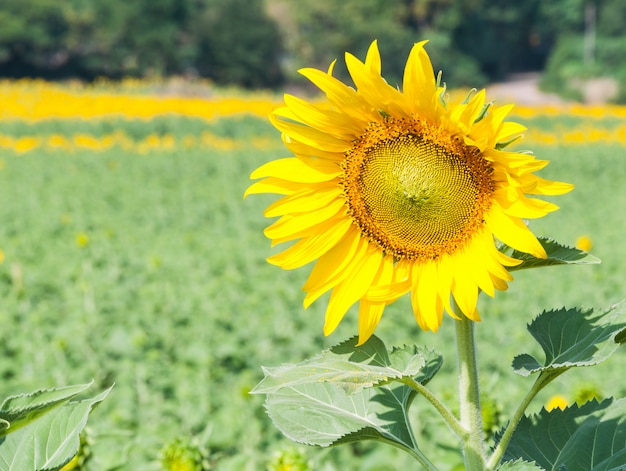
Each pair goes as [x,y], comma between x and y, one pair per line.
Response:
[448,417]
[469,395]
[425,462]
[540,383]
[418,455]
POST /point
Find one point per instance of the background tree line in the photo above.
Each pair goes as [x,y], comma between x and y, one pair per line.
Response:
[260,43]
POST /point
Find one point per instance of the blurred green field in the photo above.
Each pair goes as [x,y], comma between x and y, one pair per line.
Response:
[148,270]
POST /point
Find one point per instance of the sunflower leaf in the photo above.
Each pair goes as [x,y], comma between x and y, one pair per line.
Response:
[519,465]
[323,414]
[573,337]
[330,399]
[22,409]
[50,438]
[353,367]
[591,437]
[558,254]
[408,360]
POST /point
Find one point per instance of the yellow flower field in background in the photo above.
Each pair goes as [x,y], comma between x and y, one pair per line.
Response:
[206,140]
[34,101]
[37,99]
[120,139]
[577,135]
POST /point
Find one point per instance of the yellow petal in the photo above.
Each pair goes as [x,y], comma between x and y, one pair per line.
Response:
[474,263]
[302,169]
[273,185]
[372,60]
[307,250]
[508,130]
[498,113]
[468,113]
[352,288]
[303,150]
[465,294]
[499,283]
[310,136]
[399,284]
[516,204]
[494,260]
[374,89]
[419,84]
[369,316]
[548,187]
[332,267]
[328,121]
[304,201]
[427,307]
[513,232]
[370,312]
[445,277]
[290,224]
[341,96]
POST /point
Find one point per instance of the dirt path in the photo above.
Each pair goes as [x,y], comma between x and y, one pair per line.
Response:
[522,89]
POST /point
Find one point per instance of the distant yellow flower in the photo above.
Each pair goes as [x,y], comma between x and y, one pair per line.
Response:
[587,392]
[72,465]
[288,460]
[182,455]
[168,142]
[83,457]
[189,141]
[584,243]
[555,402]
[395,192]
[26,144]
[1,256]
[58,141]
[82,240]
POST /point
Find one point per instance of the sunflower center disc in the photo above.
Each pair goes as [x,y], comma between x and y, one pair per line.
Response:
[416,197]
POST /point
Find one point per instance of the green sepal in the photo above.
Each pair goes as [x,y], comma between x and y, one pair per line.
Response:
[483,112]
[502,145]
[573,337]
[558,254]
[469,96]
[348,393]
[50,438]
[442,95]
[591,437]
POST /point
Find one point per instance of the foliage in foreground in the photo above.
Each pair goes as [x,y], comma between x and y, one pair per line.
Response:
[41,430]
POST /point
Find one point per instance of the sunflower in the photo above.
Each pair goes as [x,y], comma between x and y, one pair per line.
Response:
[393,192]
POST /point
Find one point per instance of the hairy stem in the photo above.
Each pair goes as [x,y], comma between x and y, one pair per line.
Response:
[542,380]
[469,395]
[445,413]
